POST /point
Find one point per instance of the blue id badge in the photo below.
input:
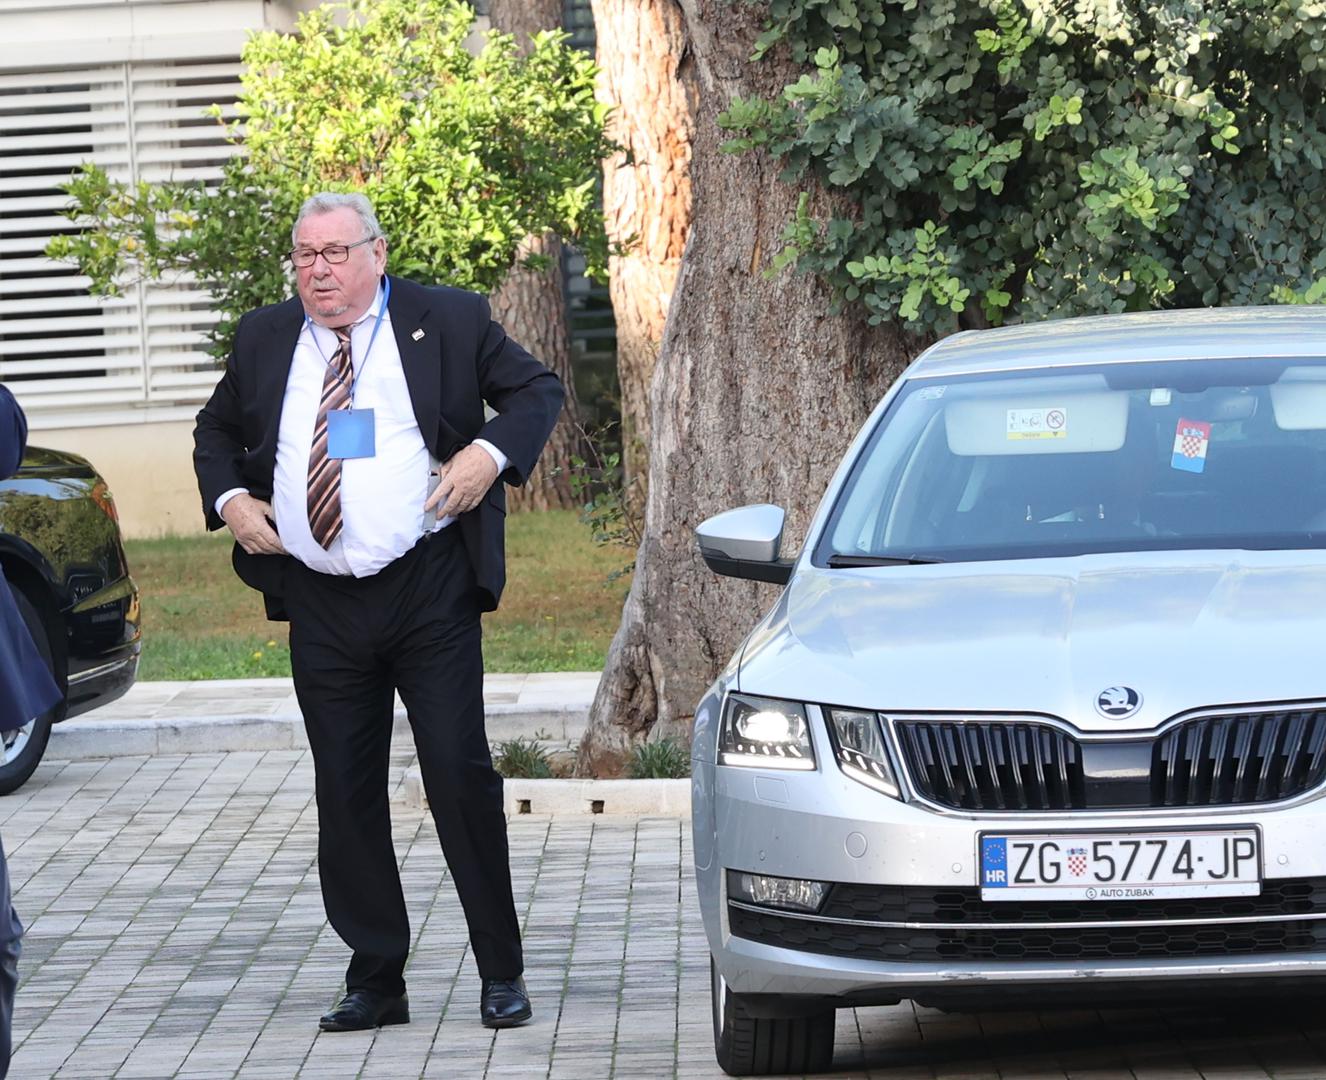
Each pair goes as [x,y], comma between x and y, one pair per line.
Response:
[350,433]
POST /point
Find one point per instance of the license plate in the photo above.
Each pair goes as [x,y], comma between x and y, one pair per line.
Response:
[1119,866]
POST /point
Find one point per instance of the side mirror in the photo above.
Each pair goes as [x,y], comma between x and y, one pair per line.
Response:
[743,543]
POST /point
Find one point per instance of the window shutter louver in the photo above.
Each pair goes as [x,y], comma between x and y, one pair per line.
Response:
[73,358]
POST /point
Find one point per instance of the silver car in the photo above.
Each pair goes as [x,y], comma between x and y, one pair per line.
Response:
[1041,712]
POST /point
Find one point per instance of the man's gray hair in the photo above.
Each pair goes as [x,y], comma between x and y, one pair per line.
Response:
[326,201]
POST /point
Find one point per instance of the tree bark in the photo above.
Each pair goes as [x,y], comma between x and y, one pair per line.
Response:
[646,196]
[524,18]
[757,393]
[531,306]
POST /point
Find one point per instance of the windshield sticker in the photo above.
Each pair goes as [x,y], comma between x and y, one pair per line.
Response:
[1191,438]
[1037,423]
[1161,396]
[930,393]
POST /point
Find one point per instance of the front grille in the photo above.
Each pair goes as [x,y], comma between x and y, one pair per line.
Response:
[1242,758]
[902,945]
[1226,760]
[993,765]
[919,904]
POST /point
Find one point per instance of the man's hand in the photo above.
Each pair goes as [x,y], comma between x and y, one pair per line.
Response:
[248,519]
[464,480]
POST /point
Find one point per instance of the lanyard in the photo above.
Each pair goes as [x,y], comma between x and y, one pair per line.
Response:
[377,325]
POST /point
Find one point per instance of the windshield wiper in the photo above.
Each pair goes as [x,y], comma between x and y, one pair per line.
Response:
[839,560]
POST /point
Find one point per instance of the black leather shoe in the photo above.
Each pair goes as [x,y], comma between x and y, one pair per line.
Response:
[360,1010]
[504,1003]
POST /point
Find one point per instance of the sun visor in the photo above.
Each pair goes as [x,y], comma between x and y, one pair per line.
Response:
[1298,400]
[1052,423]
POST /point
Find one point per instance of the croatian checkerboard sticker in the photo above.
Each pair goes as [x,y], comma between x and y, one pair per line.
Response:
[1191,438]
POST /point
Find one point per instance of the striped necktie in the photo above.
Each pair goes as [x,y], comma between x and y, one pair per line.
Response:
[324,472]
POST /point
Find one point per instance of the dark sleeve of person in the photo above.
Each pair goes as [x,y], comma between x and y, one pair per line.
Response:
[13,434]
[218,444]
[525,394]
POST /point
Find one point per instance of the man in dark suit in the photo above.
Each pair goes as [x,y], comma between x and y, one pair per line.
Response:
[26,690]
[347,449]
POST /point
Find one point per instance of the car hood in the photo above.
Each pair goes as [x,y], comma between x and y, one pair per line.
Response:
[1184,629]
[40,461]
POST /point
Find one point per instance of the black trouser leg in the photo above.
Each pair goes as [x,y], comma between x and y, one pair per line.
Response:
[437,663]
[345,694]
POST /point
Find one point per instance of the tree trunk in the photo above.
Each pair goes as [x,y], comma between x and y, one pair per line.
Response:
[757,393]
[646,196]
[531,306]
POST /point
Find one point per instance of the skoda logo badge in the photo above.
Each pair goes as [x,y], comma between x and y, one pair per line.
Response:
[1118,702]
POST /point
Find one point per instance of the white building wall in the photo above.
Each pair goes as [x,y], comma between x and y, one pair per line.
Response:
[124,84]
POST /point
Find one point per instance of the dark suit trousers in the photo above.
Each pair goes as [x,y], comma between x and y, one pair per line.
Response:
[414,626]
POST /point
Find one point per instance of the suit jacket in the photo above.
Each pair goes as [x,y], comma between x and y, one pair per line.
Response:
[26,686]
[461,360]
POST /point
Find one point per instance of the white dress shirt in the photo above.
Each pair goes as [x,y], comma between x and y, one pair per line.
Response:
[382,497]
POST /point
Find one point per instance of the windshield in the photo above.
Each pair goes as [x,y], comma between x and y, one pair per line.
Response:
[1052,462]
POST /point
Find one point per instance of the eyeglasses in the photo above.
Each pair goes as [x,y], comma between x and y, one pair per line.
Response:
[333,253]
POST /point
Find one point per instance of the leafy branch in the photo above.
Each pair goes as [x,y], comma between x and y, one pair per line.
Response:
[610,506]
[463,153]
[1028,159]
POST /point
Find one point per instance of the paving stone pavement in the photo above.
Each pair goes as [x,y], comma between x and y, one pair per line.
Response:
[176,930]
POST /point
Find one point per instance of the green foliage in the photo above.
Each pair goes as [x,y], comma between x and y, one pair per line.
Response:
[1313,294]
[665,759]
[462,155]
[522,758]
[611,506]
[1007,160]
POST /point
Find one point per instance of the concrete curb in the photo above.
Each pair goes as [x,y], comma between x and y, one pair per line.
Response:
[563,798]
[220,715]
[86,737]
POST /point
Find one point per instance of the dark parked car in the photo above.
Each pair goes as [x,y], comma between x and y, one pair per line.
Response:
[61,552]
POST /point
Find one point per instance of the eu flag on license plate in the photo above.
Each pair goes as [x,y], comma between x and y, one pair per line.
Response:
[994,862]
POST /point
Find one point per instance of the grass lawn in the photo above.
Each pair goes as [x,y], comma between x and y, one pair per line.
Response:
[201,622]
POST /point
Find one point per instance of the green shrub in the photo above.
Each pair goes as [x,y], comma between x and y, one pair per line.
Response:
[522,758]
[997,161]
[464,152]
[666,759]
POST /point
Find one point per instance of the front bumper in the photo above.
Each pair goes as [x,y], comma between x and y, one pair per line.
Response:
[106,640]
[752,969]
[103,683]
[824,826]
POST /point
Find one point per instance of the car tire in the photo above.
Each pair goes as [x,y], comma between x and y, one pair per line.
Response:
[23,749]
[757,1046]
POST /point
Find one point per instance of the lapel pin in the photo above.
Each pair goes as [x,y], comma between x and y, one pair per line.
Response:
[418,335]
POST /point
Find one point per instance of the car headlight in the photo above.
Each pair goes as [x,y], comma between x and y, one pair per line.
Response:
[765,733]
[858,743]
